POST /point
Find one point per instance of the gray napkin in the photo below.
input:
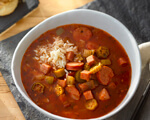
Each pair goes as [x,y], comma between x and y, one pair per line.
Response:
[134,14]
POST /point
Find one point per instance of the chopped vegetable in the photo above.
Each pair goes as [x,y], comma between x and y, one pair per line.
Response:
[78,58]
[104,75]
[70,80]
[59,31]
[89,85]
[62,83]
[38,87]
[45,68]
[73,92]
[106,62]
[91,104]
[60,72]
[88,95]
[49,79]
[75,66]
[63,99]
[59,90]
[103,95]
[102,52]
[122,62]
[91,60]
[96,68]
[77,77]
[86,66]
[82,33]
[85,75]
[70,56]
[87,52]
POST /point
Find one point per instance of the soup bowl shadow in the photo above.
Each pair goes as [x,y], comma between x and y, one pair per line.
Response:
[88,17]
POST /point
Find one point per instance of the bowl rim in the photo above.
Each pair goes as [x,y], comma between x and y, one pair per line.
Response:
[111,113]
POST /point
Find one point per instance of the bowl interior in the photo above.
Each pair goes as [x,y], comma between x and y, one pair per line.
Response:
[88,17]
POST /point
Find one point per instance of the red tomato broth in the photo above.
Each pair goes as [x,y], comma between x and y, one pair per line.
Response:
[122,76]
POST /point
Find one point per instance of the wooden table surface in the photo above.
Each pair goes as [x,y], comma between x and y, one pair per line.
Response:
[9,109]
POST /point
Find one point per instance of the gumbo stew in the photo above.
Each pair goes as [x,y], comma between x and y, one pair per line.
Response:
[76,71]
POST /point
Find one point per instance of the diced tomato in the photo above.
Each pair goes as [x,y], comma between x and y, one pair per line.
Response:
[104,75]
[75,66]
[122,62]
[85,75]
[89,85]
[71,73]
[103,95]
[45,68]
[62,83]
[70,56]
[112,85]
[91,45]
[73,92]
[82,33]
[64,100]
[91,60]
[88,95]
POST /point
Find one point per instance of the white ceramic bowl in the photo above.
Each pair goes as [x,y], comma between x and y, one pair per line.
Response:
[88,17]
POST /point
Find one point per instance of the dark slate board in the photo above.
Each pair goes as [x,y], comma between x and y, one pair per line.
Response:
[22,9]
[134,14]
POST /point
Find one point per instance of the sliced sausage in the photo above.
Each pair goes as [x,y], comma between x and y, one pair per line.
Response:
[82,33]
[88,95]
[103,95]
[85,75]
[70,56]
[62,83]
[38,75]
[89,85]
[45,68]
[73,92]
[104,75]
[74,66]
[91,60]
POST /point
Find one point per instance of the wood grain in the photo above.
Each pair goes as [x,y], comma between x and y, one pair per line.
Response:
[9,109]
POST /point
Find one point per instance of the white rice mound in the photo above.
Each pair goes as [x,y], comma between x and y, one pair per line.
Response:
[54,54]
